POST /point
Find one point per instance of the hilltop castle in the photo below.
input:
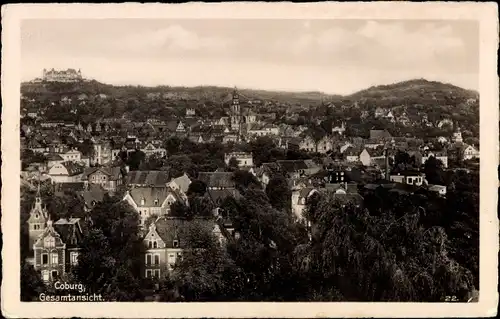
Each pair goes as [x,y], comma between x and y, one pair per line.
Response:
[69,75]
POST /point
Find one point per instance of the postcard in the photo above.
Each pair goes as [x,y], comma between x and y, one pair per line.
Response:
[250,160]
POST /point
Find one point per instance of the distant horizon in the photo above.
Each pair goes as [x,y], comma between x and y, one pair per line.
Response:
[254,88]
[338,57]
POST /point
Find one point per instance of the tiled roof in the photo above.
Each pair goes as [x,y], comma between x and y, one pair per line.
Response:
[218,195]
[76,186]
[292,165]
[73,168]
[113,172]
[69,231]
[154,178]
[94,193]
[183,182]
[378,134]
[54,157]
[170,229]
[150,194]
[217,179]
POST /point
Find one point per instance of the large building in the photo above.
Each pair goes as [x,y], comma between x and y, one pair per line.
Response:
[69,75]
[54,245]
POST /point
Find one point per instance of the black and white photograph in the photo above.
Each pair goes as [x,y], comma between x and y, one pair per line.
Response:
[176,160]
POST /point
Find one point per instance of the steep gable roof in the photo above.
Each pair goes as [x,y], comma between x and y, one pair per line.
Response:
[217,179]
[378,134]
[153,178]
[151,194]
[183,182]
[170,229]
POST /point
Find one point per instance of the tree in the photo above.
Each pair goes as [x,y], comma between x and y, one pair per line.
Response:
[233,163]
[111,256]
[389,256]
[197,187]
[279,193]
[172,145]
[244,180]
[135,159]
[31,283]
[433,169]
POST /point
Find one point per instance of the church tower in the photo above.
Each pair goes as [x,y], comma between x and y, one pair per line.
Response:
[37,220]
[236,113]
[457,136]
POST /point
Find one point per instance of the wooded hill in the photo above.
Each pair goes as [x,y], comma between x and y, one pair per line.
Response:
[418,91]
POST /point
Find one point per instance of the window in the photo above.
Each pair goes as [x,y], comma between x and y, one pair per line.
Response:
[176,243]
[157,273]
[148,273]
[54,258]
[148,259]
[45,275]
[54,274]
[155,244]
[45,259]
[74,258]
[150,245]
[156,202]
[156,259]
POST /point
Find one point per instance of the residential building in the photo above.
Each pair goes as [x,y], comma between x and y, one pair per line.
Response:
[109,178]
[180,183]
[66,172]
[307,144]
[470,152]
[168,238]
[72,155]
[217,180]
[147,178]
[408,177]
[153,201]
[153,150]
[244,159]
[439,189]
[437,155]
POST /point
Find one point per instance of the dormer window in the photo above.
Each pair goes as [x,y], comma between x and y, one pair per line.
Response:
[156,202]
[176,243]
[143,201]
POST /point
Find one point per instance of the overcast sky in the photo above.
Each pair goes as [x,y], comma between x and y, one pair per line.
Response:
[333,56]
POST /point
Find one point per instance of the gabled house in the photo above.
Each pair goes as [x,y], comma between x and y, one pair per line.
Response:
[147,178]
[151,150]
[180,183]
[217,180]
[307,144]
[55,246]
[324,145]
[66,172]
[470,152]
[153,201]
[109,178]
[167,239]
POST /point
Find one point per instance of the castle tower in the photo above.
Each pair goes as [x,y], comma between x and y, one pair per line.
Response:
[37,220]
[236,113]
